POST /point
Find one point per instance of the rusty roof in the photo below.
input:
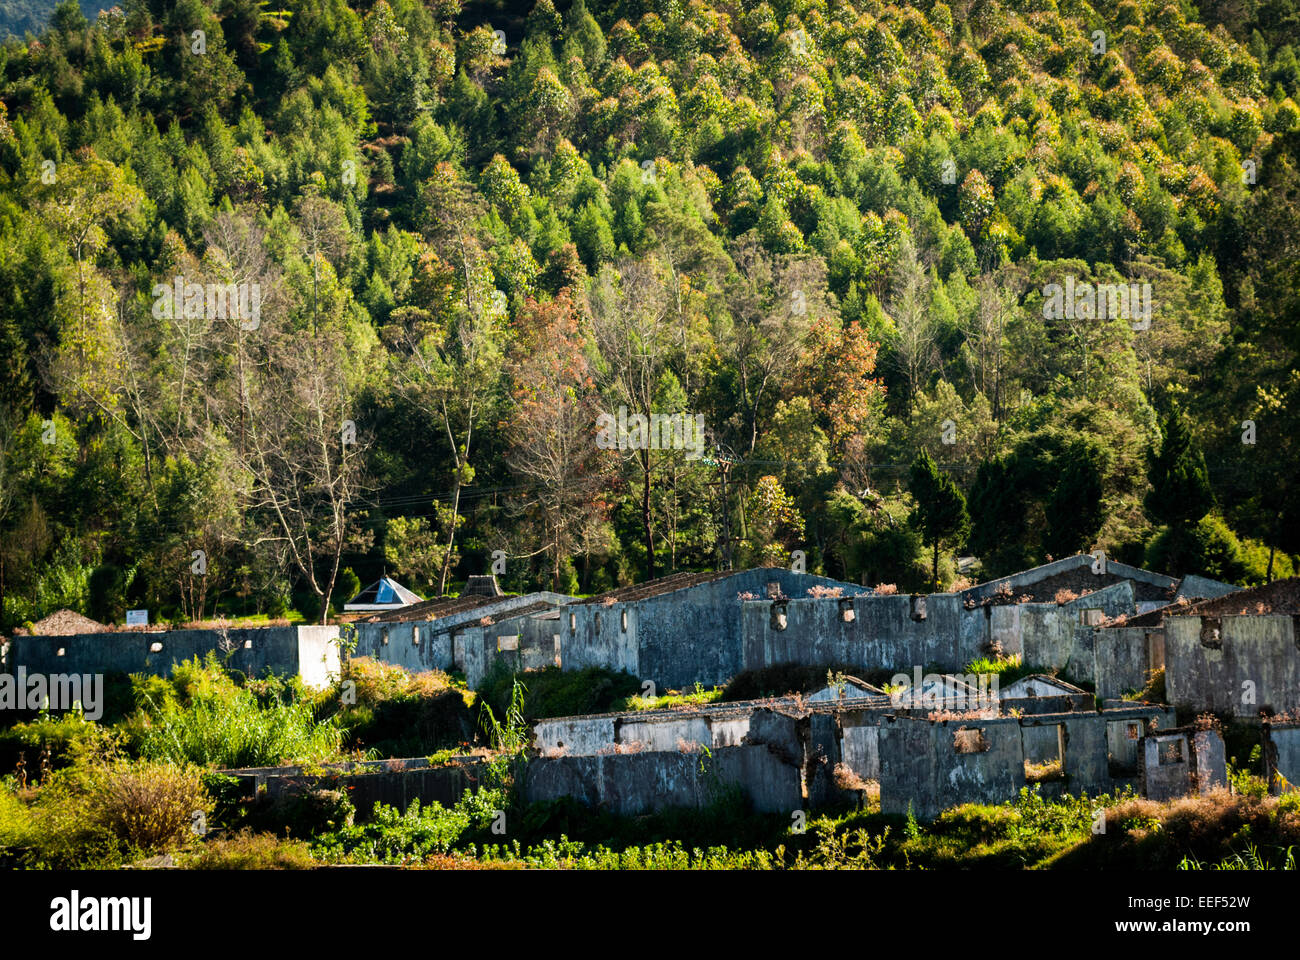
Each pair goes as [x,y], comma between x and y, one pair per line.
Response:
[433,609]
[1280,596]
[659,586]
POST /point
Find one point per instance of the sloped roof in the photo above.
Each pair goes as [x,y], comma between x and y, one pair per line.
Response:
[1280,596]
[432,609]
[1038,685]
[658,586]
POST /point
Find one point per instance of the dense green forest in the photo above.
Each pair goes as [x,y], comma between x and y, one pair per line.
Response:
[835,232]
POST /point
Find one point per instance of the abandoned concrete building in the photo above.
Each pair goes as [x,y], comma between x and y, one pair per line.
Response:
[466,633]
[1234,655]
[832,750]
[928,739]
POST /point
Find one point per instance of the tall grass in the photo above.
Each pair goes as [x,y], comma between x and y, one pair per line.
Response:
[202,717]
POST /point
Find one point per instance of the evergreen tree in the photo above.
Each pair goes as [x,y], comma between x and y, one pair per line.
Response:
[940,511]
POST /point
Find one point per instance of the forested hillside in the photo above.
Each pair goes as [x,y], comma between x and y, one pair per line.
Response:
[838,232]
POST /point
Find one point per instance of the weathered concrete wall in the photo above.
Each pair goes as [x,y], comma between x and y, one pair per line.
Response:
[1203,588]
[638,783]
[719,725]
[882,634]
[681,637]
[1233,665]
[1281,743]
[1124,656]
[575,736]
[920,766]
[521,643]
[1026,579]
[1055,636]
[1176,762]
[919,759]
[417,646]
[394,642]
[310,652]
[393,782]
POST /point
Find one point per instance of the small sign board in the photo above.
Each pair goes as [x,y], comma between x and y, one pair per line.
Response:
[137,618]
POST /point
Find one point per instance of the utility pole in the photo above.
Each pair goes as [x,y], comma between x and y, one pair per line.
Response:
[723,464]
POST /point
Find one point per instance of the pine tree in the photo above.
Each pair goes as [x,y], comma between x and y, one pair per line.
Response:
[940,512]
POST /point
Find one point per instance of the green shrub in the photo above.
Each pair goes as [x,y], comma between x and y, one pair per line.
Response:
[250,851]
[553,692]
[62,738]
[395,837]
[17,827]
[396,713]
[150,806]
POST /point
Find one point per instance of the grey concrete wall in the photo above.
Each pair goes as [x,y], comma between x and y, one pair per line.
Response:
[921,767]
[1282,756]
[417,646]
[1053,636]
[393,782]
[311,652]
[1250,664]
[919,761]
[1124,656]
[1177,762]
[481,646]
[638,783]
[1203,588]
[881,636]
[726,725]
[681,637]
[393,642]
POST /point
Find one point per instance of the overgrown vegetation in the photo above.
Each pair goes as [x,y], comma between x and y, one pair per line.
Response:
[553,692]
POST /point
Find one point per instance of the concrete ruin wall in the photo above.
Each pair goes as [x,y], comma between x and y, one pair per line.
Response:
[1232,665]
[1203,588]
[680,637]
[1181,761]
[638,783]
[308,651]
[393,642]
[928,764]
[922,770]
[882,634]
[1125,656]
[767,766]
[713,726]
[1058,636]
[393,782]
[520,643]
[1281,743]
